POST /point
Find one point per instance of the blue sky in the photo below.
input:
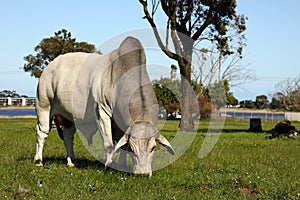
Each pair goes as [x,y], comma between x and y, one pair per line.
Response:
[272,33]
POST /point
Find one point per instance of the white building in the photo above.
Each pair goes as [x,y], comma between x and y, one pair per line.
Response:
[18,101]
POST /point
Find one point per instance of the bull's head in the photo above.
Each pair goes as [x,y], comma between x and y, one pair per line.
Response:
[141,137]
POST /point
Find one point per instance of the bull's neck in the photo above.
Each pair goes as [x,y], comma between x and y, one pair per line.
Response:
[133,95]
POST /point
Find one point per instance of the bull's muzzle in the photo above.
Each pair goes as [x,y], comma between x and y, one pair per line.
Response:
[142,164]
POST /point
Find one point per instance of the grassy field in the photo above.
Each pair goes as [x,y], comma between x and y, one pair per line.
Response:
[242,165]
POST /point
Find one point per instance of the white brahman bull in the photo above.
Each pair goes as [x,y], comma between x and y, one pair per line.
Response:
[109,92]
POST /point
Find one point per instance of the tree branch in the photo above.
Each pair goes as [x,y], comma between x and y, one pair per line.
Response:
[206,23]
[187,17]
[147,16]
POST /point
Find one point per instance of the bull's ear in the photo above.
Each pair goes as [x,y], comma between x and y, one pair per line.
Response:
[163,141]
[121,142]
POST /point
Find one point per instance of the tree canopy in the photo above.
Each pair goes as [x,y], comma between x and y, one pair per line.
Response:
[49,48]
[10,93]
[190,21]
[167,91]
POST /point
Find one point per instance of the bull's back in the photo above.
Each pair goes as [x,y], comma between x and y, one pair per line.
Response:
[56,85]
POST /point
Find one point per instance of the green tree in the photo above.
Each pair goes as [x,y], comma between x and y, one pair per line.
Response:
[247,104]
[231,100]
[167,91]
[49,48]
[261,102]
[9,93]
[219,94]
[276,104]
[190,21]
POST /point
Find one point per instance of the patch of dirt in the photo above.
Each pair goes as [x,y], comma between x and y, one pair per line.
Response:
[246,189]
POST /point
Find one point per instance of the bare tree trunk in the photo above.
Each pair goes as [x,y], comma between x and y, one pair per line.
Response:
[183,45]
[187,121]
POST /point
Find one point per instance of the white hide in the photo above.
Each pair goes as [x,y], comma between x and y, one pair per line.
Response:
[85,89]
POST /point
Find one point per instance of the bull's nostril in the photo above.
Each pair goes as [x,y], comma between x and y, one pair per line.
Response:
[147,173]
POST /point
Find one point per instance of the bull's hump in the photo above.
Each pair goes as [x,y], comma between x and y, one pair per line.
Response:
[132,45]
[131,41]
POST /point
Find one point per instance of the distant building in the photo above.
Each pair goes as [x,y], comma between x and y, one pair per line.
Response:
[18,101]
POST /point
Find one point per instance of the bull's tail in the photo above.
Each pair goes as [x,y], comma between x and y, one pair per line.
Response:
[57,122]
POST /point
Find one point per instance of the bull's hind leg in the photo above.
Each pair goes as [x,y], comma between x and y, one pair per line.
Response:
[42,130]
[69,141]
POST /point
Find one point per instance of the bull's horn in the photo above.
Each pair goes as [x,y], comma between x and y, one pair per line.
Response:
[163,141]
[121,142]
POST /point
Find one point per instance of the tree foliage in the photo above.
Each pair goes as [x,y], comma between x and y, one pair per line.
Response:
[10,93]
[219,94]
[167,91]
[168,94]
[49,48]
[276,104]
[247,104]
[190,21]
[262,102]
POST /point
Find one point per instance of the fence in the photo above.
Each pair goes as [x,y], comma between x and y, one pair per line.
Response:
[262,114]
[292,116]
[19,101]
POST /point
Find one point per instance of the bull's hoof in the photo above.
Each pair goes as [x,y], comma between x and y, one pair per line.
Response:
[70,163]
[38,163]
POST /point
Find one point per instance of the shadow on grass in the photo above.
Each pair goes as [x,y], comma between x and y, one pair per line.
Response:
[204,130]
[80,163]
[83,163]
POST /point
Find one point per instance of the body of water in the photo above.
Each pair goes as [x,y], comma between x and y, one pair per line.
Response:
[31,112]
[17,112]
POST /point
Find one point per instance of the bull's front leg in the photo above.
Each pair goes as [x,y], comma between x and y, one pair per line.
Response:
[104,123]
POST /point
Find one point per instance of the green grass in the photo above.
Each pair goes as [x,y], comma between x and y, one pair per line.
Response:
[242,165]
